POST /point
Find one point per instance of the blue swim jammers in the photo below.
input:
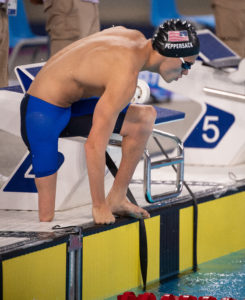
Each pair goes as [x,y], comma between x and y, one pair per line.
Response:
[42,123]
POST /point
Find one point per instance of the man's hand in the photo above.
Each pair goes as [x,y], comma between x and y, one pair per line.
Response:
[103,215]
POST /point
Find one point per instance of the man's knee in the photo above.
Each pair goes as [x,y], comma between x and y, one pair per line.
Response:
[139,120]
[146,119]
[147,115]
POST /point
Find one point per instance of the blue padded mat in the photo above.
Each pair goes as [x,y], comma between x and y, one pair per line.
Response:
[165,115]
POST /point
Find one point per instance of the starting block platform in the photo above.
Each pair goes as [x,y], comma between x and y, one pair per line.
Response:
[221,56]
[215,136]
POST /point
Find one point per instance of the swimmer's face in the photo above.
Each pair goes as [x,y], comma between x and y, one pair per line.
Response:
[175,68]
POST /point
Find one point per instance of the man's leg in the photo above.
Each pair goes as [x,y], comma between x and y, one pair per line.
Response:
[46,187]
[230,27]
[4,47]
[136,129]
[89,21]
[62,23]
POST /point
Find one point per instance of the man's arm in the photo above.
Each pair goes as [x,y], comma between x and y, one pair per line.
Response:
[116,96]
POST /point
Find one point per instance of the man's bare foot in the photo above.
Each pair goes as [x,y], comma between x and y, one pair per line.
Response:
[128,209]
[103,215]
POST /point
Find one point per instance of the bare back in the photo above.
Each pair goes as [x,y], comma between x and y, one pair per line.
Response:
[85,68]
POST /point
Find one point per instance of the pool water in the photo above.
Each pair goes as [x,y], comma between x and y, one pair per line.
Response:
[222,277]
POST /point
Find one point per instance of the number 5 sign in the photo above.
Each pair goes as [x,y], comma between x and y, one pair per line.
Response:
[211,128]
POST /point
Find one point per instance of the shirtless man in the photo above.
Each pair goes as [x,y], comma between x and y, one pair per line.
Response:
[106,65]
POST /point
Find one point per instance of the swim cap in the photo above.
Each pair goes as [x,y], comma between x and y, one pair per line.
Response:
[176,38]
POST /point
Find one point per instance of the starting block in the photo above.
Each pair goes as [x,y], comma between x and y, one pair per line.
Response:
[19,191]
[216,82]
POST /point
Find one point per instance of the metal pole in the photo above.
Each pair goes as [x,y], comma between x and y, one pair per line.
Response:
[231,95]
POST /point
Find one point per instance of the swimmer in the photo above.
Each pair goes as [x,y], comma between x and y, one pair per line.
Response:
[105,65]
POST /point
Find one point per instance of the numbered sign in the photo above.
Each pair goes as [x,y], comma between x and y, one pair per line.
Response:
[210,130]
